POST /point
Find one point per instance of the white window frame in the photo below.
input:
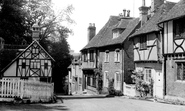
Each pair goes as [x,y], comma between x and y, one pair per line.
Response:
[117,55]
[117,80]
[148,74]
[105,79]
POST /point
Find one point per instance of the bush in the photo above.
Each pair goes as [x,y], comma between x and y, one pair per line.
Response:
[142,86]
[111,87]
[118,93]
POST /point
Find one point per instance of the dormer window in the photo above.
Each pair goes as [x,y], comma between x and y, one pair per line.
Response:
[116,33]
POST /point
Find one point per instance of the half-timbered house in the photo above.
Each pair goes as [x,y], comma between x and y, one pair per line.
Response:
[32,62]
[148,45]
[174,50]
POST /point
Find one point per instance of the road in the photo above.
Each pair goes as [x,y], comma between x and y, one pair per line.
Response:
[101,104]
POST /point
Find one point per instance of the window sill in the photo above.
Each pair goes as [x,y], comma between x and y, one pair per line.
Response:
[116,61]
[106,62]
[180,81]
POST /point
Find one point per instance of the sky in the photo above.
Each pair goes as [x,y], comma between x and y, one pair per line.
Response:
[95,11]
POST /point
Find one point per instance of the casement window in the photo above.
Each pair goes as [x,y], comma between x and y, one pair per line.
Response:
[116,33]
[80,80]
[106,79]
[117,56]
[180,70]
[85,56]
[179,28]
[117,83]
[143,42]
[91,55]
[106,56]
[35,64]
[148,75]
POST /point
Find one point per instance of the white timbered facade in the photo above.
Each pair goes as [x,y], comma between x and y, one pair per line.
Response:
[34,61]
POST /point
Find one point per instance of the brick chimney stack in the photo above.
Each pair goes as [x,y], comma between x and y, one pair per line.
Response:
[155,4]
[35,32]
[143,13]
[91,31]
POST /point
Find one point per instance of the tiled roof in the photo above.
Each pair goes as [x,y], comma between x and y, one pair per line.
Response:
[151,24]
[176,12]
[104,36]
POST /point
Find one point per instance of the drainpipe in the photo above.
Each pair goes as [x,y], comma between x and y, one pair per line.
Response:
[122,78]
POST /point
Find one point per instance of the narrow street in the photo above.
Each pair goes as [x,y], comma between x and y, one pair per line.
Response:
[106,104]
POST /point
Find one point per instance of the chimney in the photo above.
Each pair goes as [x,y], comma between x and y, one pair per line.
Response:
[128,13]
[1,43]
[124,12]
[35,32]
[155,4]
[143,13]
[91,31]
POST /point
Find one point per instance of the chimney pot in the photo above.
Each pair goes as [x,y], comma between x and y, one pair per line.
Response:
[124,12]
[143,3]
[128,13]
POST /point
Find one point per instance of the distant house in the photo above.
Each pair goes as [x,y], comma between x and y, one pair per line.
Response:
[174,50]
[111,51]
[75,75]
[32,62]
[147,42]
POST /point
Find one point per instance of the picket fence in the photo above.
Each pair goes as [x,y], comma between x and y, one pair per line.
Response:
[30,89]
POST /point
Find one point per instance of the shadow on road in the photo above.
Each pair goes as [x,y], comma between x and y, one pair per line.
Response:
[32,107]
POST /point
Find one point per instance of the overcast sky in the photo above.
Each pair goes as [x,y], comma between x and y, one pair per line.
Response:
[95,11]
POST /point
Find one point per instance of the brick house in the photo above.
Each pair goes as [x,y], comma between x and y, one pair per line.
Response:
[110,49]
[173,51]
[148,45]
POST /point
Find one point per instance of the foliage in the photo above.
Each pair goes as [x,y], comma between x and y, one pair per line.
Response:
[12,21]
[99,76]
[6,56]
[16,20]
[118,93]
[142,86]
[111,87]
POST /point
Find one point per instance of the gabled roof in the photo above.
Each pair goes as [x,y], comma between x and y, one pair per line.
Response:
[151,24]
[176,12]
[104,36]
[34,42]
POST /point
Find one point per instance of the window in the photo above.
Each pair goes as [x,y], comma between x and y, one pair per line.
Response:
[85,56]
[91,56]
[143,44]
[23,65]
[117,83]
[180,70]
[179,28]
[94,81]
[106,79]
[80,80]
[106,56]
[117,56]
[148,75]
[35,64]
[116,33]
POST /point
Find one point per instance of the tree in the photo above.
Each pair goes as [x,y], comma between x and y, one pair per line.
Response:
[12,21]
[53,36]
